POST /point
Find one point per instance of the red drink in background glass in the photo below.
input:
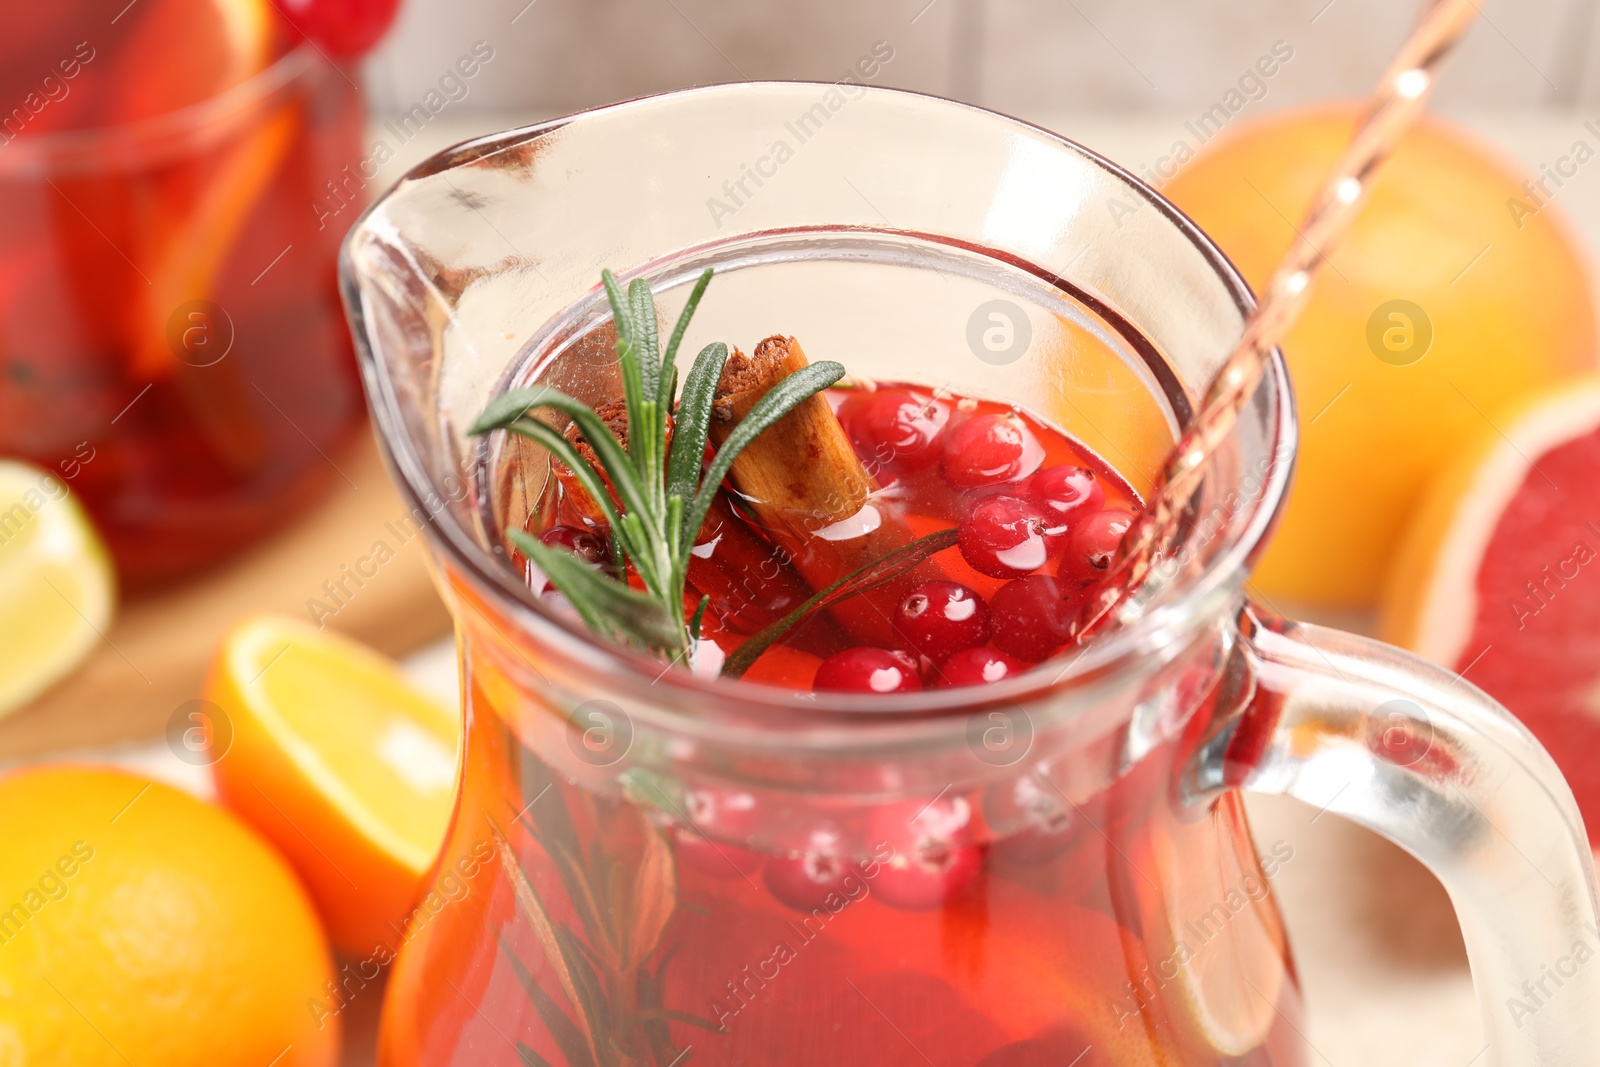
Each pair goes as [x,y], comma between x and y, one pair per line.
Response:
[170,335]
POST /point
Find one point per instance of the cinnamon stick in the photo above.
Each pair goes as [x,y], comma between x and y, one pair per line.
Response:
[810,492]
[750,583]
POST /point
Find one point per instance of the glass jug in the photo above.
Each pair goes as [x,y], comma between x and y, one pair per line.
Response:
[645,867]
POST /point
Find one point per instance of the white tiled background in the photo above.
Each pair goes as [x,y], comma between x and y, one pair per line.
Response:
[1013,55]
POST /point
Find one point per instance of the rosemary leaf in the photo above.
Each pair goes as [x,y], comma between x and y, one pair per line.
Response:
[606,449]
[673,1015]
[605,604]
[781,399]
[574,1046]
[873,574]
[699,618]
[544,929]
[693,427]
[647,562]
[670,356]
[531,1058]
[627,354]
[629,539]
[654,896]
[672,524]
[510,412]
[559,447]
[642,306]
[507,408]
[592,1001]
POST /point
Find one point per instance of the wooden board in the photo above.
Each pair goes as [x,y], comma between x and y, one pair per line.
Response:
[154,656]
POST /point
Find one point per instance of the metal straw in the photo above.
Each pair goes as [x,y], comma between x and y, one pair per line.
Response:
[1400,97]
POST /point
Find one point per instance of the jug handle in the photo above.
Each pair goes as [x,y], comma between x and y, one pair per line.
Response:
[1397,745]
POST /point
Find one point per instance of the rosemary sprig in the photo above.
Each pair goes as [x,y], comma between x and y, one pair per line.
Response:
[664,496]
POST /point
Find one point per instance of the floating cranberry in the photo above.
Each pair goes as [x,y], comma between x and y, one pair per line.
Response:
[1093,546]
[978,666]
[582,543]
[897,432]
[867,670]
[1034,616]
[344,27]
[1070,493]
[990,450]
[934,854]
[938,619]
[729,814]
[714,858]
[927,883]
[1059,1046]
[1007,537]
[806,881]
[1035,818]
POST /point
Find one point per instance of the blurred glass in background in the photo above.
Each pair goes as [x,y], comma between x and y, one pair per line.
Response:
[171,342]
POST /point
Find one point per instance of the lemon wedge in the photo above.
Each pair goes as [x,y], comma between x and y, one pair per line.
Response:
[57,585]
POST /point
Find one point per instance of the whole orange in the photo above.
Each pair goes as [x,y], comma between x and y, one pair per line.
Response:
[140,925]
[1456,293]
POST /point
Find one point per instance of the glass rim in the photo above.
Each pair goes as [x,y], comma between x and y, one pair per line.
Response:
[1194,603]
[116,147]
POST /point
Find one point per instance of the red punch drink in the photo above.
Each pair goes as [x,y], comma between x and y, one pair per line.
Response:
[170,338]
[1009,926]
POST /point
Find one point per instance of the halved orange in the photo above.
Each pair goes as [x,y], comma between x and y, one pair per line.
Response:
[1487,304]
[341,762]
[1498,576]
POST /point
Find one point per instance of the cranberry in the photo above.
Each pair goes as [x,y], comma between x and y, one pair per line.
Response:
[1093,546]
[896,432]
[1007,537]
[934,854]
[729,814]
[1034,616]
[344,27]
[938,619]
[1035,817]
[714,858]
[867,670]
[719,820]
[978,666]
[582,543]
[1057,1046]
[917,884]
[807,881]
[989,450]
[1071,493]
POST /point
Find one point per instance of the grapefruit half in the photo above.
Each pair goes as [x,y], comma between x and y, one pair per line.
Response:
[1498,577]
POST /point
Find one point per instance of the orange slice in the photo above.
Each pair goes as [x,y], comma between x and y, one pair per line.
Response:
[1498,576]
[326,748]
[233,40]
[175,53]
[1217,944]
